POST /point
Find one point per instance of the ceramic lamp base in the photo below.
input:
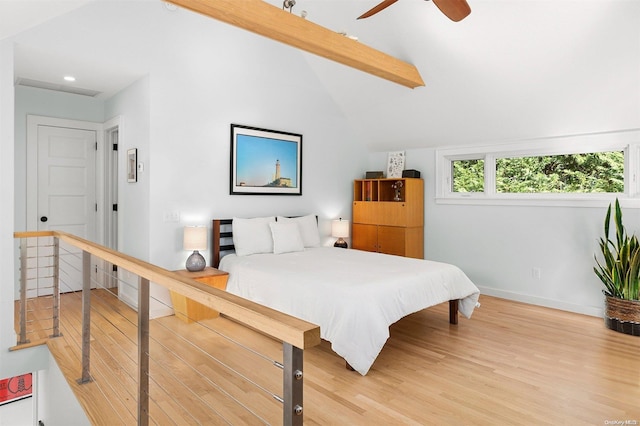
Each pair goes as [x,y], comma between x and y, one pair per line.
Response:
[195,262]
[340,243]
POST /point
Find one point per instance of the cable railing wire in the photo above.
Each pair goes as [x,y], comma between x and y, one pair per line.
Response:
[173,353]
[104,320]
[100,359]
[183,360]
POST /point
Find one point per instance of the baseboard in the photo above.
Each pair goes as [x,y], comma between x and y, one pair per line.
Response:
[593,311]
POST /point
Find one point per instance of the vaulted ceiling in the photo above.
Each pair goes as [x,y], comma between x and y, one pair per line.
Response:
[511,70]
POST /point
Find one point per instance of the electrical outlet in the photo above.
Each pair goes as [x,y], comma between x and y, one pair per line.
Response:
[172,216]
[536,273]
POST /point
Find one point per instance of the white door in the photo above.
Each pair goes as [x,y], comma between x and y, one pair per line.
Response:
[67,180]
[65,198]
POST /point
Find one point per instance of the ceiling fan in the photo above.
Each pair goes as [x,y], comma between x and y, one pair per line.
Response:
[456,10]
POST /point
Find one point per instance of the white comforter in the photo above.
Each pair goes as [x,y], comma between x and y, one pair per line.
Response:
[354,296]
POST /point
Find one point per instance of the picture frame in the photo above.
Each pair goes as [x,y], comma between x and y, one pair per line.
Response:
[395,164]
[132,165]
[265,162]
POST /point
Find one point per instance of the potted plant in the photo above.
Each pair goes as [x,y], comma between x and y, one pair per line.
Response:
[620,274]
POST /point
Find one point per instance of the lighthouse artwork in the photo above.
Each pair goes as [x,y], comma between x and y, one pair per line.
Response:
[278,180]
[265,161]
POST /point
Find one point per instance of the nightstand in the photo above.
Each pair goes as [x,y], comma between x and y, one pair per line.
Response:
[189,310]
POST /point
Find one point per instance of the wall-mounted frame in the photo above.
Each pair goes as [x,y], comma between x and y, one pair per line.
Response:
[132,165]
[266,162]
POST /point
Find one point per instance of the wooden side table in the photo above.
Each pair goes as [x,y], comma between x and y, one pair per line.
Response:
[189,310]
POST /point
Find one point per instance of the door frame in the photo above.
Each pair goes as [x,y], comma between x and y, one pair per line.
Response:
[102,170]
[110,224]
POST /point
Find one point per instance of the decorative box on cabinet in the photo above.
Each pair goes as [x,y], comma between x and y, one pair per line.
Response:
[189,310]
[388,216]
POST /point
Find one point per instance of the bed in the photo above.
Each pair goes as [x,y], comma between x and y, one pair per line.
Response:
[354,296]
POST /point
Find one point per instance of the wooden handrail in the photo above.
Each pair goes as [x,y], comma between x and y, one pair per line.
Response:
[278,325]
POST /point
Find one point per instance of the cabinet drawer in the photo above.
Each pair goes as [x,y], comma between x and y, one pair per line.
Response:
[364,237]
[392,240]
[381,213]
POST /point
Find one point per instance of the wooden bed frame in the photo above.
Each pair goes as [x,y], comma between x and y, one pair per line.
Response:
[218,248]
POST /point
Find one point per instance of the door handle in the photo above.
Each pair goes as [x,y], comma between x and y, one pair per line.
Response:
[44,219]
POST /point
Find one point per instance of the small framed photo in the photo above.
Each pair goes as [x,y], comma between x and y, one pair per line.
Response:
[266,162]
[395,164]
[132,165]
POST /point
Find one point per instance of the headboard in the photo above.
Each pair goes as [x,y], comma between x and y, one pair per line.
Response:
[217,237]
[227,235]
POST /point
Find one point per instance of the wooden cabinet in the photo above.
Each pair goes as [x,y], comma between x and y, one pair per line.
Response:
[388,216]
[189,310]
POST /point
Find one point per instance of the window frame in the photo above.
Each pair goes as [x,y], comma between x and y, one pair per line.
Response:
[625,141]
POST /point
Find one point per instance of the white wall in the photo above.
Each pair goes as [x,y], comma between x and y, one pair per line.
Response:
[53,393]
[17,413]
[7,335]
[181,127]
[195,96]
[132,106]
[11,363]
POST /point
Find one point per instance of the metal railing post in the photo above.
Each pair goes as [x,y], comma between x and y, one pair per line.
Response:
[143,351]
[86,317]
[292,376]
[56,288]
[23,292]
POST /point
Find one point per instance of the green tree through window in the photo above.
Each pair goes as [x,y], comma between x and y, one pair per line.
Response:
[579,173]
[468,176]
[598,172]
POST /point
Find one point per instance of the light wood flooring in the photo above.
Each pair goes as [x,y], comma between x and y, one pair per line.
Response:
[511,364]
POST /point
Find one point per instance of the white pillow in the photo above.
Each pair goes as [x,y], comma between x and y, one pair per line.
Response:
[252,236]
[286,237]
[308,228]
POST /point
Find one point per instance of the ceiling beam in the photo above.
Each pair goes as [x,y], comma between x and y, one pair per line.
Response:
[272,22]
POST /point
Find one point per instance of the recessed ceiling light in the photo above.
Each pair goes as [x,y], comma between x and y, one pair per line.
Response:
[69,78]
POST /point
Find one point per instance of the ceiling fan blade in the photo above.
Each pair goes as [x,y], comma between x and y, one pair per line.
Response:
[456,10]
[378,8]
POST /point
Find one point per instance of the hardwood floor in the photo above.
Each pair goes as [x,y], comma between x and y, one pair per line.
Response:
[511,364]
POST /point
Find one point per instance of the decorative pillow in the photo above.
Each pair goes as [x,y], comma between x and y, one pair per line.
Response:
[308,228]
[286,237]
[252,236]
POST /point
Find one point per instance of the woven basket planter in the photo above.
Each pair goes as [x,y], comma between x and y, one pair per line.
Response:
[622,315]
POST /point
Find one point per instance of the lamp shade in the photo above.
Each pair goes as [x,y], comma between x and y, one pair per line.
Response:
[340,228]
[195,238]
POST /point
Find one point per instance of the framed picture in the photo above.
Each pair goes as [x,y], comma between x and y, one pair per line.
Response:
[263,161]
[132,161]
[395,164]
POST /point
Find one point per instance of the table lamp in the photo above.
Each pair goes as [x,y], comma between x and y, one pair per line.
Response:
[195,238]
[340,230]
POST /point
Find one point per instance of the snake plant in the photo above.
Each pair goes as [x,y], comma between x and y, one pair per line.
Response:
[620,270]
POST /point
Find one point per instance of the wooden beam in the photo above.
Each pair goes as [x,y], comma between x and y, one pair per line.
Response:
[280,25]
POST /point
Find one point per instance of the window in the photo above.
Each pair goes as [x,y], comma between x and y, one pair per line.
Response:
[572,168]
[468,175]
[583,173]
